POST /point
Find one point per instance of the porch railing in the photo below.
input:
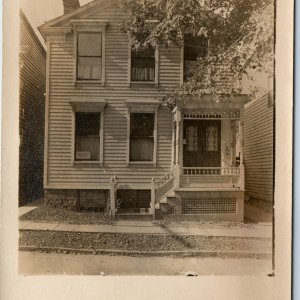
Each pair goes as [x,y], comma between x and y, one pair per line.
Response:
[164,185]
[197,171]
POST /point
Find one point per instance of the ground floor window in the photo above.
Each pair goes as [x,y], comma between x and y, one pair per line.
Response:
[87,136]
[133,201]
[142,136]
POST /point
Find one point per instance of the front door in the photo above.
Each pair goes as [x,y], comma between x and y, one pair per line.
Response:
[202,143]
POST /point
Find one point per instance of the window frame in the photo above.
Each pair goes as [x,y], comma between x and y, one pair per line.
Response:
[142,108]
[89,26]
[88,107]
[156,71]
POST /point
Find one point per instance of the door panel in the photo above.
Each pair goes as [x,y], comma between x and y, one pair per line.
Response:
[202,143]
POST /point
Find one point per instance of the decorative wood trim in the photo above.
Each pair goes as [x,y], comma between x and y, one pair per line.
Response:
[73,138]
[128,138]
[155,136]
[156,55]
[101,137]
[46,144]
[181,65]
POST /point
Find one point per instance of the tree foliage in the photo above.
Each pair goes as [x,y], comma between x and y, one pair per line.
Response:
[240,33]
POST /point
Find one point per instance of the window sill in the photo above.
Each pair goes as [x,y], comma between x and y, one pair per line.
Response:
[142,163]
[87,163]
[143,83]
[89,82]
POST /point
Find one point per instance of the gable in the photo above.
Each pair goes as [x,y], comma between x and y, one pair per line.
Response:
[88,11]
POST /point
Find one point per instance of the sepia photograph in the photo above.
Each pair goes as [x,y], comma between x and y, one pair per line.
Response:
[146,139]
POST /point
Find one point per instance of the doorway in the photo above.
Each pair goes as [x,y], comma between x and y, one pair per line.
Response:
[202,143]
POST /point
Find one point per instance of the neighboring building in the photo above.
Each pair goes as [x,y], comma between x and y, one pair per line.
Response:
[111,145]
[31,113]
[259,146]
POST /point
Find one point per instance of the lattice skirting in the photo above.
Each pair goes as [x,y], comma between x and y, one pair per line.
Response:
[220,205]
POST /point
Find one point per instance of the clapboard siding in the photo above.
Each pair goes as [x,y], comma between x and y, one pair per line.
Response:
[258,148]
[32,63]
[116,91]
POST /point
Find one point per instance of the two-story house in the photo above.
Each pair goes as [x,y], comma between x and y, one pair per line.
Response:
[112,145]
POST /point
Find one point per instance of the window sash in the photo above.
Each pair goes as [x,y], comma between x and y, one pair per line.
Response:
[89,56]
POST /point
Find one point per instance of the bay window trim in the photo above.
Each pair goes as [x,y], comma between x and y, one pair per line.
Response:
[89,106]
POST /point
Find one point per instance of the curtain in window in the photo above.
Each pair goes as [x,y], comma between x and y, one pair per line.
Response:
[143,65]
[211,138]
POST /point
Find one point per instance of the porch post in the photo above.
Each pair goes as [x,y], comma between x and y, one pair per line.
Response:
[177,158]
[152,204]
[242,168]
[113,182]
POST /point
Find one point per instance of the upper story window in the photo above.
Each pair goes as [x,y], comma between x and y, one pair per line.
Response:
[89,56]
[194,48]
[143,65]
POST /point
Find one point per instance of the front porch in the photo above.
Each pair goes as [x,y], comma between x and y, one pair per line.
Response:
[207,176]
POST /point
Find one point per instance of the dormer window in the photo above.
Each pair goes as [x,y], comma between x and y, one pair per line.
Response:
[194,47]
[89,56]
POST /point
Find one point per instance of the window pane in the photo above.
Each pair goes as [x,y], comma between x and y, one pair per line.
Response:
[89,68]
[141,149]
[89,44]
[142,124]
[87,139]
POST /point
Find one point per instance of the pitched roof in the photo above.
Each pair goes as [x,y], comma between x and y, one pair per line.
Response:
[76,13]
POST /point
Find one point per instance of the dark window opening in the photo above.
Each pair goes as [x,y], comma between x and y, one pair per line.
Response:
[141,136]
[195,47]
[143,65]
[89,56]
[133,201]
[87,136]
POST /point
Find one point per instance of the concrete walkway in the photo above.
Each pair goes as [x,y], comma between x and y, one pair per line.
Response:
[147,227]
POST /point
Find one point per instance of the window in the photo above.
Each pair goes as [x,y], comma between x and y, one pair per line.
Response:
[142,136]
[87,136]
[194,47]
[143,65]
[89,56]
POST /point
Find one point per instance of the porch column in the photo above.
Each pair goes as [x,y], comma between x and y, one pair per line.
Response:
[113,183]
[177,152]
[242,168]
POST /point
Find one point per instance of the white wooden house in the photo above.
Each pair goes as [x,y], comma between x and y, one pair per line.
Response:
[111,144]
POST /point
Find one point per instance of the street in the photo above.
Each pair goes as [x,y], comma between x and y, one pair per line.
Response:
[36,263]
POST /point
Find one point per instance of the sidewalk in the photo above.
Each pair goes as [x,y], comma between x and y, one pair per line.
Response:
[147,227]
